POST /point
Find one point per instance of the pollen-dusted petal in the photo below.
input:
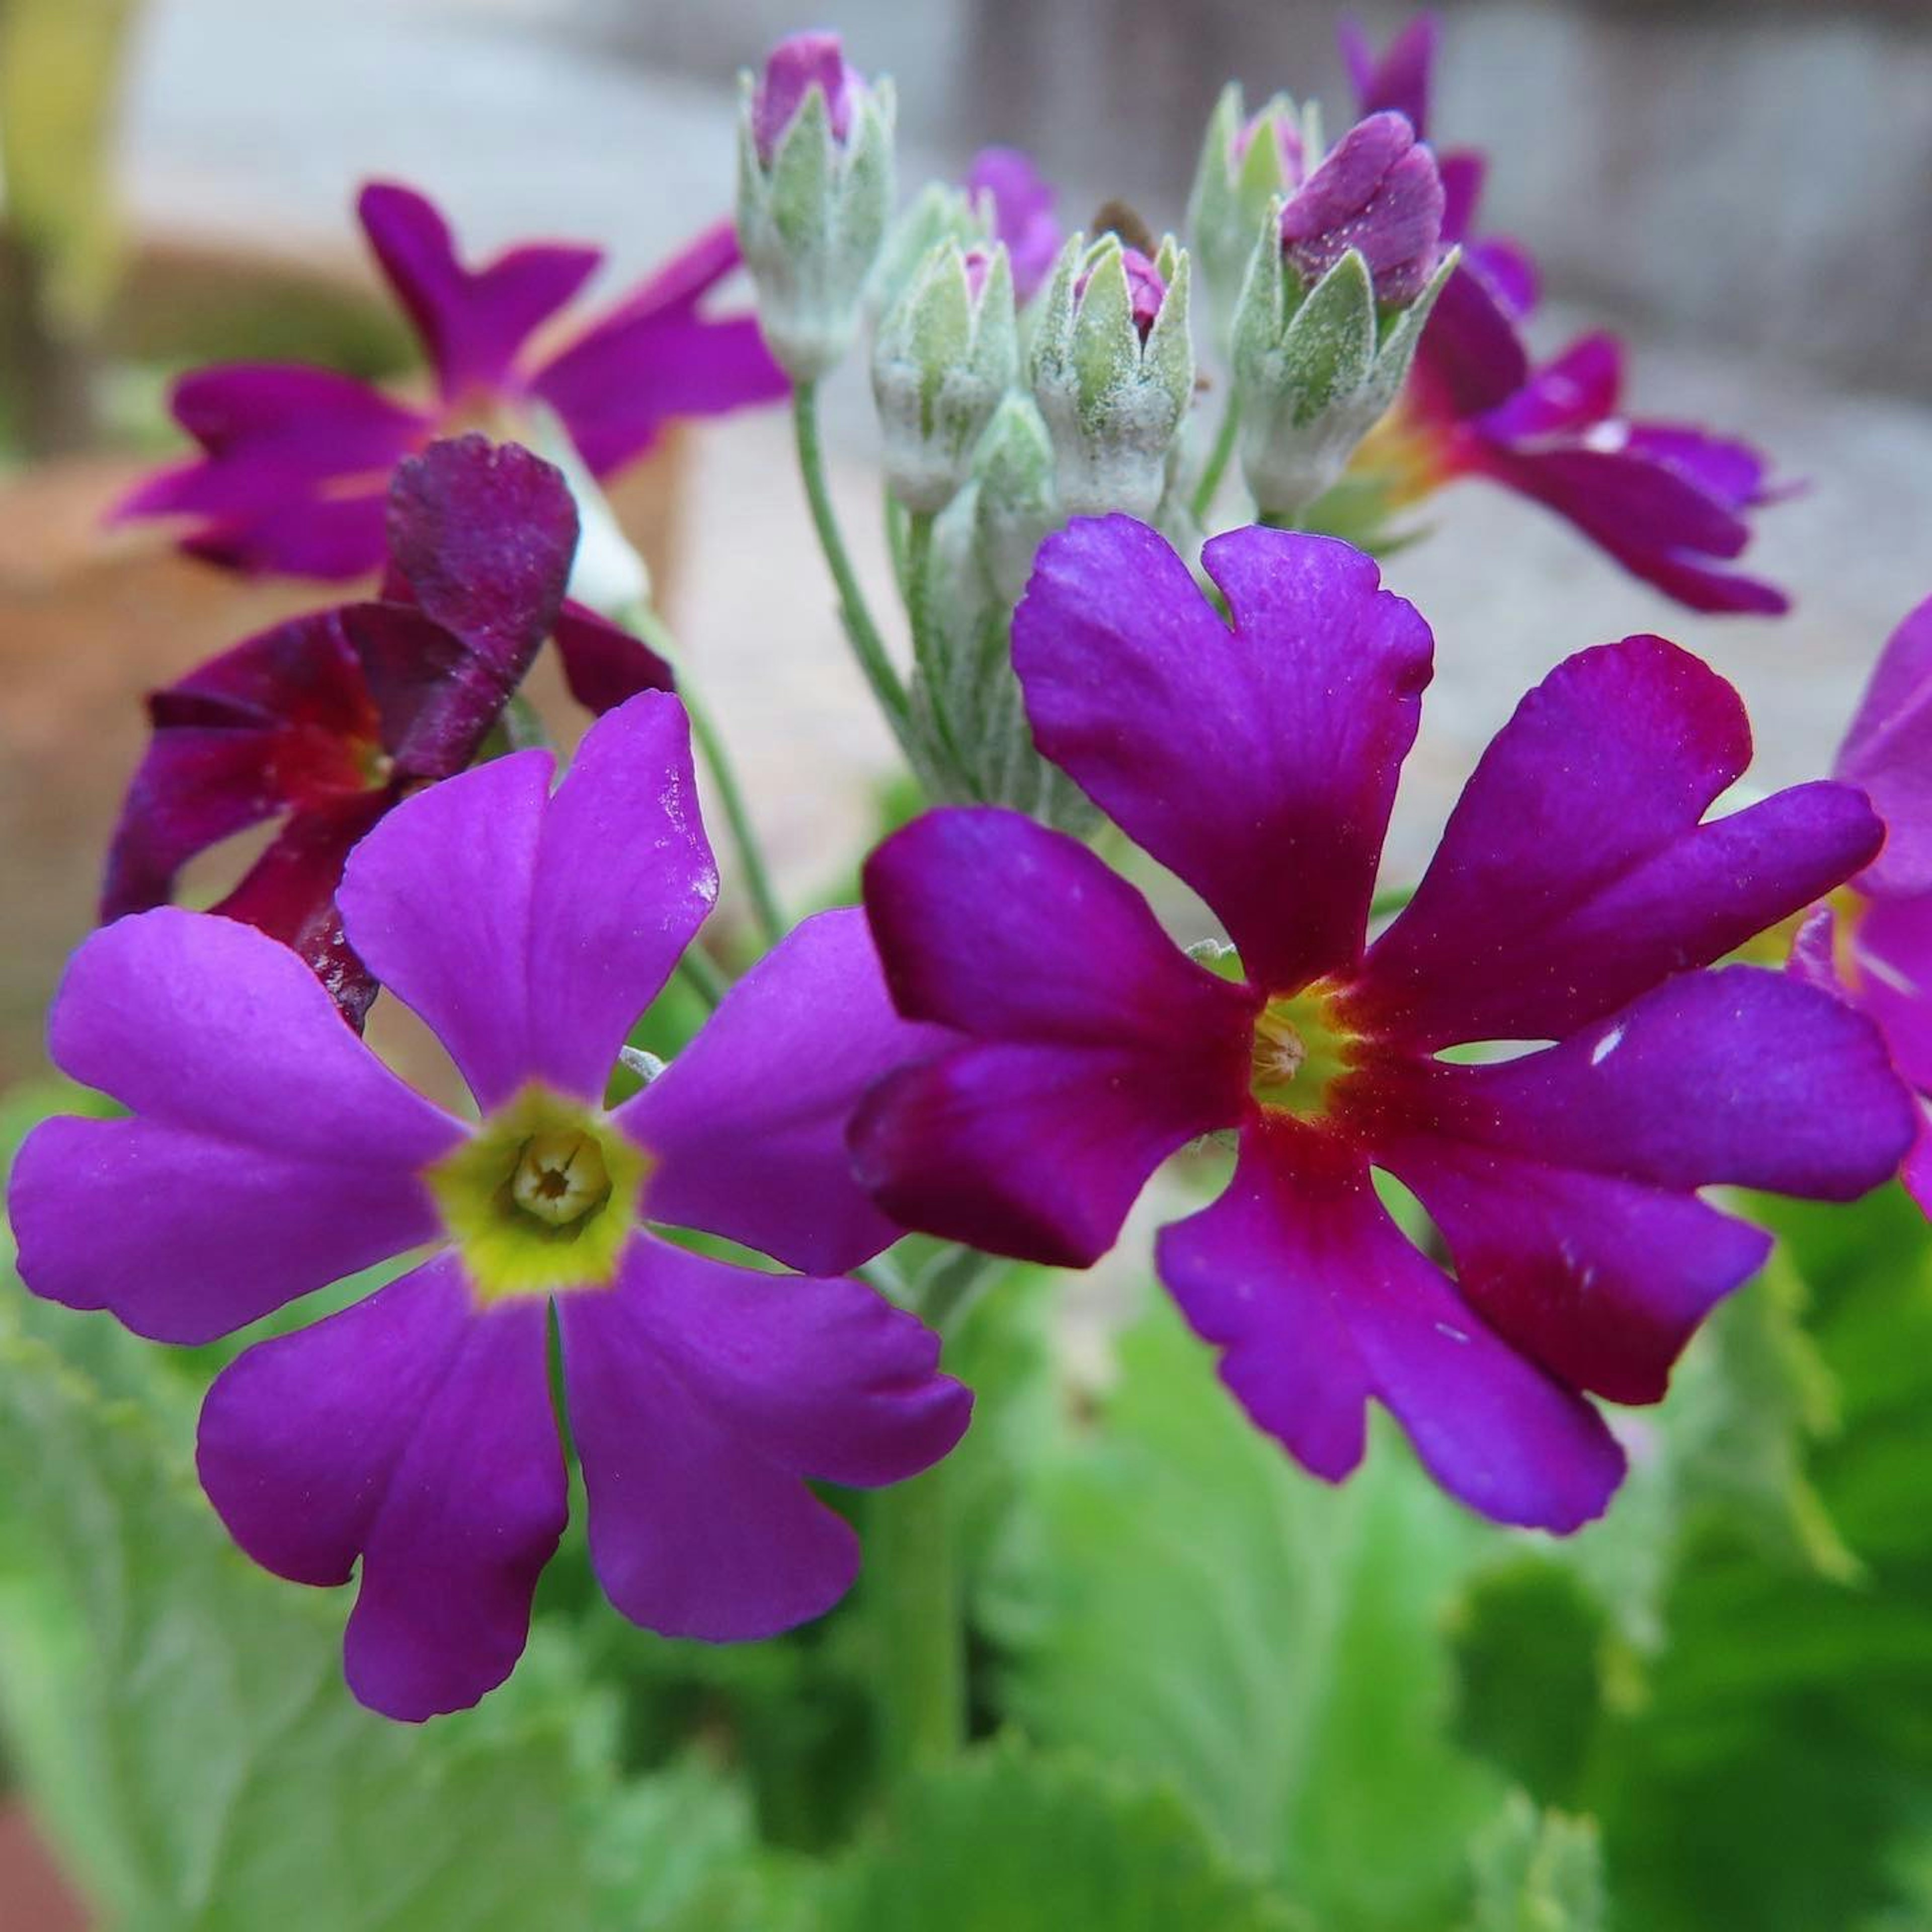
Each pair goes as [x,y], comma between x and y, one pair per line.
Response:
[1576,871]
[703,1396]
[270,1152]
[1888,751]
[415,1433]
[1739,1075]
[1259,762]
[436,902]
[473,323]
[1033,1151]
[1601,1280]
[746,1128]
[1318,1301]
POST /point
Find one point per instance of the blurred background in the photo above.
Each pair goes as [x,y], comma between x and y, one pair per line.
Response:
[1743,188]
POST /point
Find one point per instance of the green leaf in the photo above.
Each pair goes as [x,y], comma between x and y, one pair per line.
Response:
[1176,1596]
[179,1720]
[1006,1841]
[1538,1872]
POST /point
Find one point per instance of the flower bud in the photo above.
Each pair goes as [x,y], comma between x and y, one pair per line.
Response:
[1378,193]
[937,213]
[947,352]
[1246,162]
[1315,374]
[815,192]
[1113,373]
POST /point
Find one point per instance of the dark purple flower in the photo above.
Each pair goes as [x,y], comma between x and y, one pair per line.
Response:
[295,461]
[269,1153]
[1022,204]
[1376,191]
[1576,893]
[329,720]
[1398,81]
[1147,289]
[1871,942]
[798,64]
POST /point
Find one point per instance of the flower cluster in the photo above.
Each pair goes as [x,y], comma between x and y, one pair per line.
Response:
[1471,1148]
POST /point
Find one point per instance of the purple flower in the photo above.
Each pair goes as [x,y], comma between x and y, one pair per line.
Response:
[294,460]
[329,720]
[797,64]
[1872,942]
[1377,191]
[1397,82]
[1576,895]
[1147,289]
[269,1153]
[1022,203]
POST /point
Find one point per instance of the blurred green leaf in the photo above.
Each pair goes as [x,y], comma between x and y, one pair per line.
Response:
[1538,1872]
[1008,1841]
[1176,1596]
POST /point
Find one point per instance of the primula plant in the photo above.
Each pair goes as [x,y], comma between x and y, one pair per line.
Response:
[699,1382]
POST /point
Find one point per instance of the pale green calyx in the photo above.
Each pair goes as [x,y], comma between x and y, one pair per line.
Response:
[810,223]
[946,354]
[1240,173]
[937,213]
[1016,504]
[1113,399]
[1315,369]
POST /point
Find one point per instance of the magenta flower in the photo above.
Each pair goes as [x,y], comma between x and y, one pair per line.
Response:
[1575,894]
[1398,80]
[1377,191]
[269,1153]
[1871,942]
[1021,202]
[294,460]
[329,720]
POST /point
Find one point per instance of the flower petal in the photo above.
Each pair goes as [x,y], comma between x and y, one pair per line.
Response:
[436,902]
[1399,79]
[1891,950]
[284,718]
[701,1398]
[1601,1280]
[1888,751]
[617,386]
[1576,870]
[558,918]
[1319,1301]
[417,1434]
[1033,1151]
[603,664]
[747,1126]
[1738,1075]
[1259,763]
[998,927]
[473,323]
[271,1152]
[334,538]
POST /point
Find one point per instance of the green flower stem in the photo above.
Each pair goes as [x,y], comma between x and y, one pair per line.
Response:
[918,1625]
[704,975]
[867,645]
[917,1602]
[1218,457]
[771,921]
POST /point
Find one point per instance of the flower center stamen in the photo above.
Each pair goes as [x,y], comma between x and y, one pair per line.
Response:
[1299,1050]
[560,1176]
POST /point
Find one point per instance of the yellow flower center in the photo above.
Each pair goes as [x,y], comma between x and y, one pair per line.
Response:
[541,1199]
[1299,1050]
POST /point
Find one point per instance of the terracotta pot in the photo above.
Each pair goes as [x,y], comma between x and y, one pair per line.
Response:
[91,619]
